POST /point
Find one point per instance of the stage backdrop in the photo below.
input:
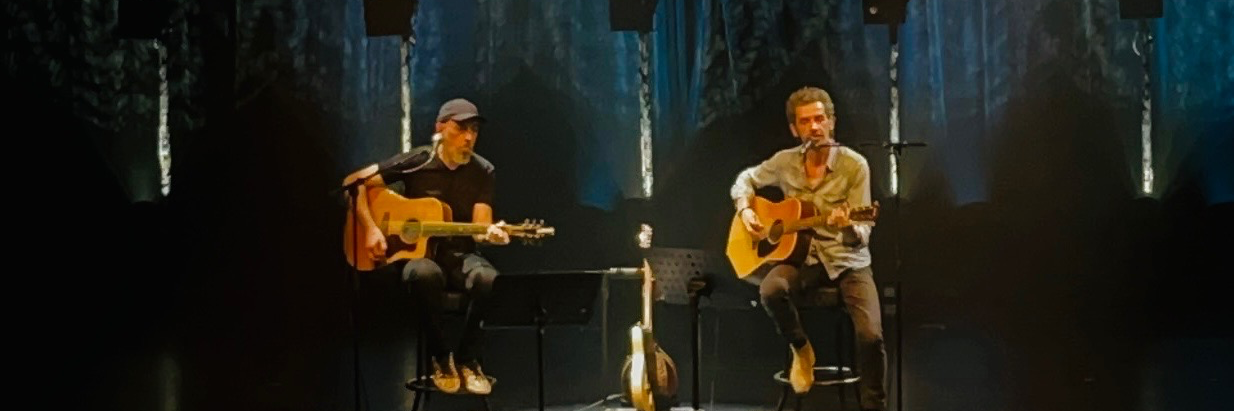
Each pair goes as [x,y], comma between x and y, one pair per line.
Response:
[1037,274]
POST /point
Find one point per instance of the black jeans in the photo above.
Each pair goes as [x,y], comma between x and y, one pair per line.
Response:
[427,280]
[785,283]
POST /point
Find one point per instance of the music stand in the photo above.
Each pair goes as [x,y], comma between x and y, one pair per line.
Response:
[682,277]
[539,300]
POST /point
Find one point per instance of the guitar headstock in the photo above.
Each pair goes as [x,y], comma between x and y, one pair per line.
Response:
[529,231]
[644,236]
[865,213]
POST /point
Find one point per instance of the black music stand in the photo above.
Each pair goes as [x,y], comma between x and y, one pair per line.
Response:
[539,300]
[682,276]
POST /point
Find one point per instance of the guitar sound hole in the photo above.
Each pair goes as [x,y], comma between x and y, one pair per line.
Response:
[777,230]
[395,244]
[768,245]
[411,230]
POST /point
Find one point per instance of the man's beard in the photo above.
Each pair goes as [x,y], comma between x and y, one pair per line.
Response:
[463,156]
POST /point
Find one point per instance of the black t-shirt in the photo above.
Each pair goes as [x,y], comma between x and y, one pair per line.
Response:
[424,175]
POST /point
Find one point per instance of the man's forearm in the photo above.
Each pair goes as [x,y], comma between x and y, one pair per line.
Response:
[366,217]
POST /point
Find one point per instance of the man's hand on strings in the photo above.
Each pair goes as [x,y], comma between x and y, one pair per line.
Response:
[375,243]
[839,217]
[497,235]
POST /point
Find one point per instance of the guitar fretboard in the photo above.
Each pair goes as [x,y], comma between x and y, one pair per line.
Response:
[805,223]
[858,214]
[445,229]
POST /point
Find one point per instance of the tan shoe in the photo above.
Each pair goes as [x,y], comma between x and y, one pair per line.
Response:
[445,376]
[801,375]
[475,380]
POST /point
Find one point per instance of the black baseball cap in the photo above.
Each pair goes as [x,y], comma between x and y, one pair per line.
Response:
[458,110]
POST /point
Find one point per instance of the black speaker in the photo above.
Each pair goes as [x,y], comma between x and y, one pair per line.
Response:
[389,17]
[143,19]
[883,11]
[1139,9]
[631,15]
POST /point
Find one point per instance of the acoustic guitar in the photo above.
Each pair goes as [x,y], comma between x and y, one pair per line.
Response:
[783,222]
[409,223]
[649,375]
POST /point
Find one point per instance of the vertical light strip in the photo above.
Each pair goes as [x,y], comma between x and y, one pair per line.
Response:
[1146,117]
[405,79]
[894,118]
[169,381]
[164,132]
[644,103]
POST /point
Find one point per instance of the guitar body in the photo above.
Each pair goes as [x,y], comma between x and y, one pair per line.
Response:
[635,373]
[748,255]
[649,374]
[391,212]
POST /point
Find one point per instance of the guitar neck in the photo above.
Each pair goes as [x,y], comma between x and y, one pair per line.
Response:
[648,294]
[429,229]
[861,214]
[805,223]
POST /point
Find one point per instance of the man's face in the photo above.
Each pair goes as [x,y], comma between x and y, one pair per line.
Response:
[813,123]
[458,140]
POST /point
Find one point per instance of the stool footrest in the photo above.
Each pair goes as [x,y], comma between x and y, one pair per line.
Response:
[825,375]
[425,384]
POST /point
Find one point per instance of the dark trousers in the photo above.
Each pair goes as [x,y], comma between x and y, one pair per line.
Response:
[784,284]
[426,280]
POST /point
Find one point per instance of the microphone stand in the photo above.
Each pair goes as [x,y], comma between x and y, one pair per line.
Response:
[897,150]
[353,190]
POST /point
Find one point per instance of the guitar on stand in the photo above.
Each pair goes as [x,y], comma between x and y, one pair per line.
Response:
[409,224]
[785,235]
[649,375]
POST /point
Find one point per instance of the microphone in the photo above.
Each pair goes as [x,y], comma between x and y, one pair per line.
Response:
[351,186]
[431,155]
[436,143]
[811,143]
[807,145]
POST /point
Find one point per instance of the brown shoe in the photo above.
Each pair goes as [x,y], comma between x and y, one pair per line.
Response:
[445,375]
[801,375]
[475,380]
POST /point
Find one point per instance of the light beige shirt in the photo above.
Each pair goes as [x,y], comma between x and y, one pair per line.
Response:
[847,180]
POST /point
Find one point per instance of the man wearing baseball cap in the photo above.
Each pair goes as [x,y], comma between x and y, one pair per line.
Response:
[451,172]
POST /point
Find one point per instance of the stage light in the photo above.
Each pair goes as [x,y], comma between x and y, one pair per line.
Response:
[631,15]
[884,11]
[389,17]
[1139,9]
[143,19]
